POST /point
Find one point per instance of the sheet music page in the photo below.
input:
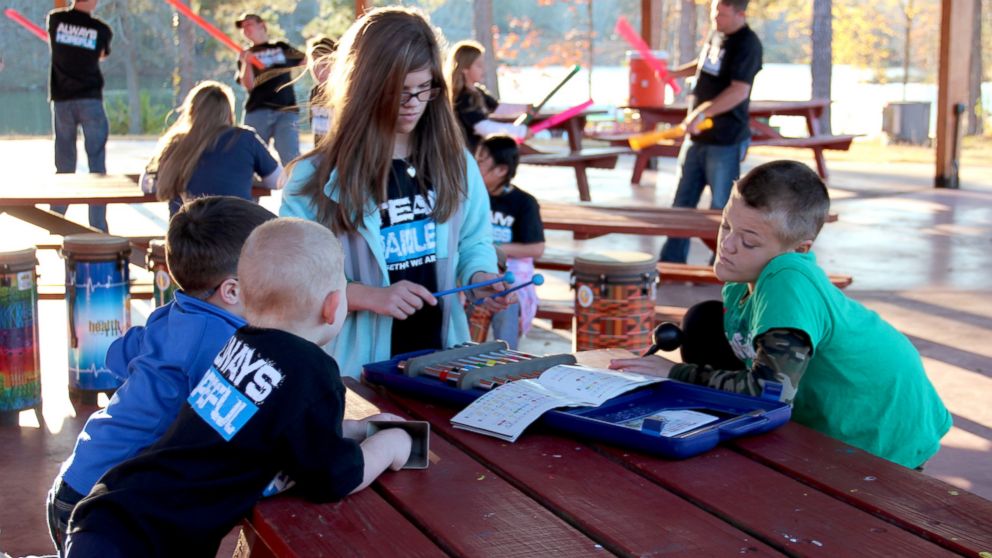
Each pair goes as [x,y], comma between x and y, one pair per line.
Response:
[591,386]
[507,410]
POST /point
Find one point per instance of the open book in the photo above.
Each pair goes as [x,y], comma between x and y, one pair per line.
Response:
[510,408]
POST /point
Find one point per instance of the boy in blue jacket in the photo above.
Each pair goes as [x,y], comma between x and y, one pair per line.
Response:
[164,360]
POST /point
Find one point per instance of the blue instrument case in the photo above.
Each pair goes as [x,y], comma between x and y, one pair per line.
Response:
[737,415]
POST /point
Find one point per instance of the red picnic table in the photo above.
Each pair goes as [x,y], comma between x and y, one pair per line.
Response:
[761,133]
[790,492]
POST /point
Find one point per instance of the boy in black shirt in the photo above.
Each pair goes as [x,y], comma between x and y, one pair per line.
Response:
[271,106]
[272,402]
[79,42]
[517,231]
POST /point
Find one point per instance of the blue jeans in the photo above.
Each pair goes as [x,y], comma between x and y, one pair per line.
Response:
[506,325]
[701,164]
[279,125]
[62,499]
[67,118]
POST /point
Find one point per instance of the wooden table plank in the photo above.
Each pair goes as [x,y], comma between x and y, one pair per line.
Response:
[590,221]
[617,508]
[784,513]
[948,516]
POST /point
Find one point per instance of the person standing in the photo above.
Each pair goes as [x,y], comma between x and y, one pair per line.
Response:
[79,42]
[724,71]
[271,106]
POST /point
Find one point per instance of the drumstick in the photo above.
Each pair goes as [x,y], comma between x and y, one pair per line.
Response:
[558,118]
[214,32]
[641,141]
[537,281]
[506,277]
[26,23]
[635,40]
[526,117]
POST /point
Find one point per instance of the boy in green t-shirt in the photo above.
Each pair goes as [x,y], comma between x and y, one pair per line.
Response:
[845,370]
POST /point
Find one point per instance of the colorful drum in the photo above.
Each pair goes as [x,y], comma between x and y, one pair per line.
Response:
[646,90]
[479,320]
[20,363]
[99,302]
[164,287]
[614,300]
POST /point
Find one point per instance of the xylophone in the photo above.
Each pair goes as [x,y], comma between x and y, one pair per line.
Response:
[483,366]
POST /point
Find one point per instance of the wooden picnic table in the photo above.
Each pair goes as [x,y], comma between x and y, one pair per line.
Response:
[761,133]
[587,220]
[790,492]
[577,157]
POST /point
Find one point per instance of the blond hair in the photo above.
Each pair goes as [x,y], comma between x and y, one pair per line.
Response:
[370,66]
[206,113]
[463,54]
[287,267]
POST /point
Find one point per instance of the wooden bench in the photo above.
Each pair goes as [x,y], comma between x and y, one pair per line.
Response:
[667,271]
[560,313]
[580,160]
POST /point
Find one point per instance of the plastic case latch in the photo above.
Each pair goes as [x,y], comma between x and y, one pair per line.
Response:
[772,391]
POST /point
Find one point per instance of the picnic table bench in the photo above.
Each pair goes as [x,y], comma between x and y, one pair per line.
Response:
[577,157]
[789,492]
[761,133]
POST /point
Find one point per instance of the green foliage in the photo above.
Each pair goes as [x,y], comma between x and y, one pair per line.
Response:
[155,109]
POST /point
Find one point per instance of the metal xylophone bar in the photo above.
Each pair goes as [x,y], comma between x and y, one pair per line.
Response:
[484,365]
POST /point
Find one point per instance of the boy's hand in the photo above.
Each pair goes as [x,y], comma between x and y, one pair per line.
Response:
[400,444]
[384,416]
[651,365]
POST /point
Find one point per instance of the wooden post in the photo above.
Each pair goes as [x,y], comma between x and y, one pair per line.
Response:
[651,22]
[952,87]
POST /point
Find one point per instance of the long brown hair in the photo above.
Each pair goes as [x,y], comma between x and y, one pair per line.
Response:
[373,59]
[463,55]
[206,113]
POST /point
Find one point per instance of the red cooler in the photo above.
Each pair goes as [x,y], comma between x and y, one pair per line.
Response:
[646,90]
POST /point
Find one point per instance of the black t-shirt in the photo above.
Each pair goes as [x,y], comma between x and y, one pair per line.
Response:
[273,88]
[470,114]
[727,58]
[272,402]
[516,217]
[410,246]
[78,40]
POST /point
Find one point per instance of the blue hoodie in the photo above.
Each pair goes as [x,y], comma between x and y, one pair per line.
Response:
[161,362]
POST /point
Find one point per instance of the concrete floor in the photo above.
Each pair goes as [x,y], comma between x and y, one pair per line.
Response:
[919,256]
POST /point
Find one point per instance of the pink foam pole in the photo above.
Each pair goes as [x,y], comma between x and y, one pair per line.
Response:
[635,40]
[26,23]
[213,31]
[559,118]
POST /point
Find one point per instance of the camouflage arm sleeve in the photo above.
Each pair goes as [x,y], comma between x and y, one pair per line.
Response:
[782,356]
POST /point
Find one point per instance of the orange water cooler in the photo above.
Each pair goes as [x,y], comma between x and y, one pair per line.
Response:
[646,90]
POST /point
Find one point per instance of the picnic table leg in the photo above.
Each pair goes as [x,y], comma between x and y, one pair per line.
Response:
[640,163]
[582,181]
[813,127]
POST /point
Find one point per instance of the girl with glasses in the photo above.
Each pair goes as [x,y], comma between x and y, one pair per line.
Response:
[394,182]
[473,104]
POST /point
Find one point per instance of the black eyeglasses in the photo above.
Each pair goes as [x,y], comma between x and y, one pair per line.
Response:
[424,95]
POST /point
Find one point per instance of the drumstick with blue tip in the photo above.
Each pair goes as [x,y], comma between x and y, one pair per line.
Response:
[537,281]
[506,277]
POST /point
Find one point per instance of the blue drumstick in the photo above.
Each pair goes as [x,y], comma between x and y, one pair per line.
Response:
[537,281]
[507,277]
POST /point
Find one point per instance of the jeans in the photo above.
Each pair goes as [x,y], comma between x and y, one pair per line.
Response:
[67,118]
[701,164]
[506,325]
[279,125]
[62,499]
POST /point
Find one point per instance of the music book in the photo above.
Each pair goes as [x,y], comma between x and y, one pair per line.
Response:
[510,408]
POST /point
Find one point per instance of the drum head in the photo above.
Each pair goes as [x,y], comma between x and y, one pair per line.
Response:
[94,246]
[615,263]
[17,260]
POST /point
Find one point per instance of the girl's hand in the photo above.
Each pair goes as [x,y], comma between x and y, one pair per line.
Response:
[497,304]
[399,300]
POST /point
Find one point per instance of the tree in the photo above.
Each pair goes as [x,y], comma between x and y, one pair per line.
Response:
[976,125]
[688,49]
[482,11]
[821,65]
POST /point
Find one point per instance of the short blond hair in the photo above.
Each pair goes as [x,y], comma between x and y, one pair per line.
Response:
[288,266]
